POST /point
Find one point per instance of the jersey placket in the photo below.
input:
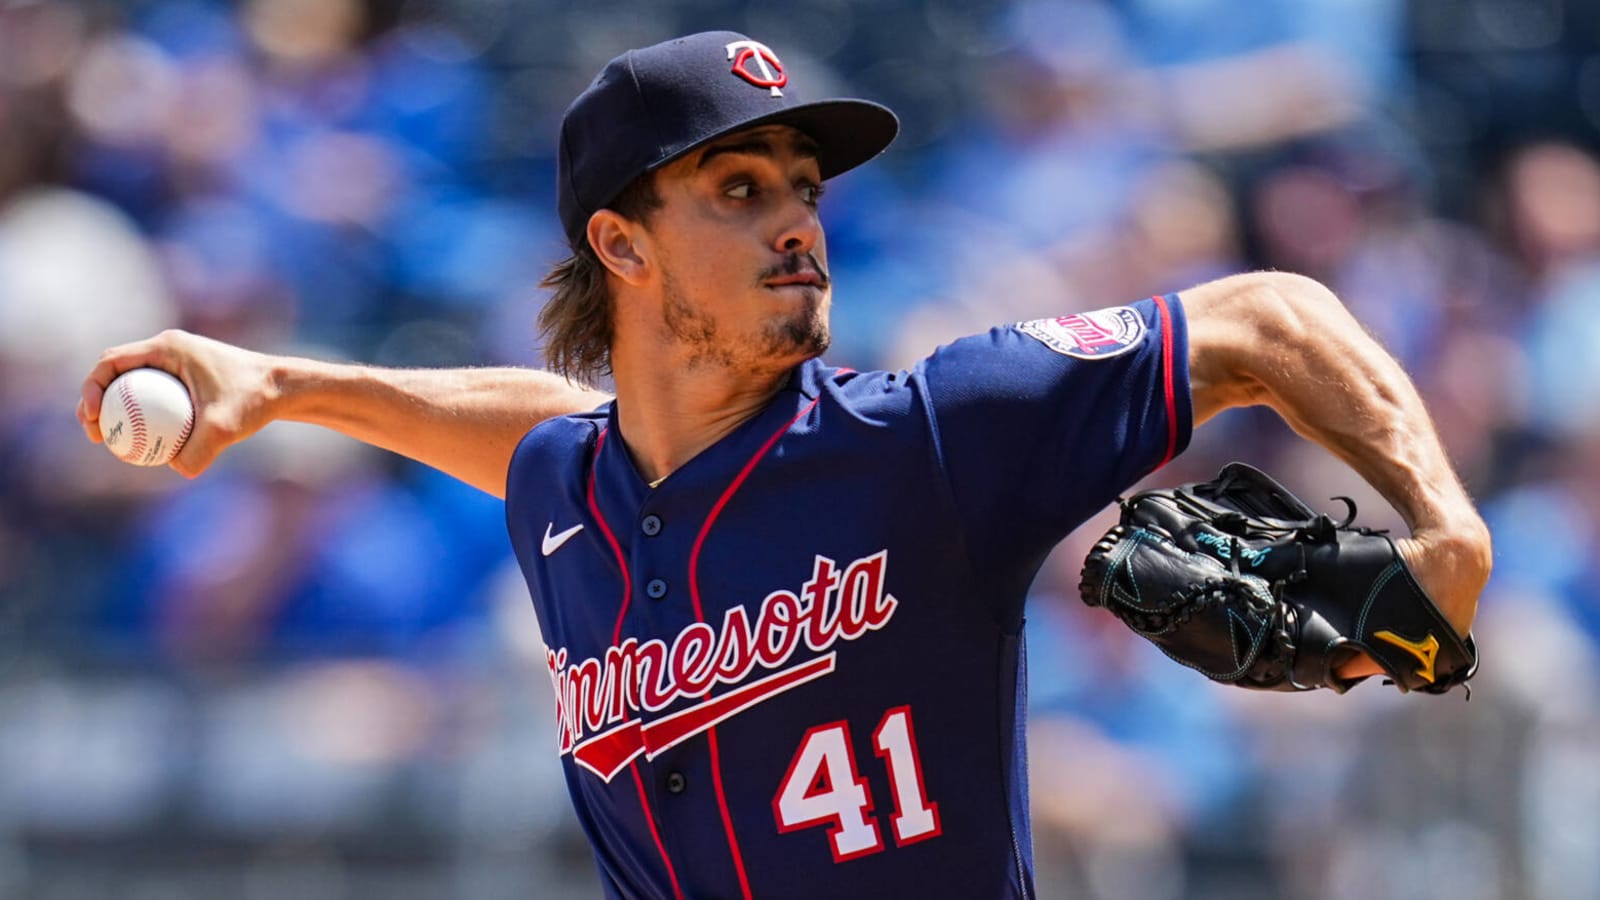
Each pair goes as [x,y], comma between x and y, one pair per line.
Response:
[665,529]
[655,531]
[662,533]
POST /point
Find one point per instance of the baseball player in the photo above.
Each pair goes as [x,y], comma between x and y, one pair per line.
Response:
[781,601]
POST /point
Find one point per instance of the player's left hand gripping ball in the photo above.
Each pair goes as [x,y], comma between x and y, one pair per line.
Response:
[145,417]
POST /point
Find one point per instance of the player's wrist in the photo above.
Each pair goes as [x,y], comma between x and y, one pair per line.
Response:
[1461,537]
[1453,566]
[1431,500]
[297,389]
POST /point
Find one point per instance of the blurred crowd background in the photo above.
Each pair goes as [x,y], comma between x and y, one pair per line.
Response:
[314,671]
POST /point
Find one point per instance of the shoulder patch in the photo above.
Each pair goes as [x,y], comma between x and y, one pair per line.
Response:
[1089,335]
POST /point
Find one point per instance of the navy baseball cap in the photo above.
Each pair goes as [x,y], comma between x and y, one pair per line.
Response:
[650,106]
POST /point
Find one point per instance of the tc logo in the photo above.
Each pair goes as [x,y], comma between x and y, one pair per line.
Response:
[771,74]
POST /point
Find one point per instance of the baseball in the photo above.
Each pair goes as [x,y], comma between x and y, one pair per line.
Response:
[146,416]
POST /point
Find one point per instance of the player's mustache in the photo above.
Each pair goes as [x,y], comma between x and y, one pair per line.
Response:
[794,264]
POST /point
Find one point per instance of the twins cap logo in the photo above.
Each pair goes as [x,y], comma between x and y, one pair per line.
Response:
[1090,335]
[743,53]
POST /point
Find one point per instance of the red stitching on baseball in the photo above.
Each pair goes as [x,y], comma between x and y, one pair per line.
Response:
[135,422]
[188,426]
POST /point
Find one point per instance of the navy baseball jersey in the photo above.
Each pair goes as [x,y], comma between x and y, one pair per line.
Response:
[795,667]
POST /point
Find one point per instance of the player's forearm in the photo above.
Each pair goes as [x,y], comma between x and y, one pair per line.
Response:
[1287,342]
[464,422]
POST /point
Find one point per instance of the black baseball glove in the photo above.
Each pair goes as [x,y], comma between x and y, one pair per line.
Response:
[1239,580]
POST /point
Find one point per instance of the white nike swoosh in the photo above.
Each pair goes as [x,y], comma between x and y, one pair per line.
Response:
[553,542]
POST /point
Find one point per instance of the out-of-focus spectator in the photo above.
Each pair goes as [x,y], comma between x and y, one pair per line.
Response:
[1552,198]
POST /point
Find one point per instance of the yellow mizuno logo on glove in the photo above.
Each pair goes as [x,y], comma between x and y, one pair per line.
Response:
[1425,650]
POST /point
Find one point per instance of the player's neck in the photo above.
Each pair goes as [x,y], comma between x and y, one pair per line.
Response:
[668,415]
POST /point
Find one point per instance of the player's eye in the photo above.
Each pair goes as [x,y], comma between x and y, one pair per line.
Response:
[744,190]
[811,193]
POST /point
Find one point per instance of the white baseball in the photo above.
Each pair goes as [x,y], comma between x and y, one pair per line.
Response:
[146,416]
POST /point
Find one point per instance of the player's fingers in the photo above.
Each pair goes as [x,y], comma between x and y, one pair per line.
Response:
[213,432]
[111,364]
[194,457]
[156,352]
[197,453]
[89,399]
[91,427]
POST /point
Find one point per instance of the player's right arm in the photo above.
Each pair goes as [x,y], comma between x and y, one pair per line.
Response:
[464,422]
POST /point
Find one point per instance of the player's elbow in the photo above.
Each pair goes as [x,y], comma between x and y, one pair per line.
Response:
[1243,327]
[1263,305]
[1286,309]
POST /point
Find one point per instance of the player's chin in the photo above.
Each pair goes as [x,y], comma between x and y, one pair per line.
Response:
[801,336]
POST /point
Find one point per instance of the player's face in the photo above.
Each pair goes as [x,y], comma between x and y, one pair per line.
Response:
[743,265]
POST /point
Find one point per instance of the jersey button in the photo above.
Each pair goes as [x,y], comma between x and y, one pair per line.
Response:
[656,589]
[651,526]
[676,783]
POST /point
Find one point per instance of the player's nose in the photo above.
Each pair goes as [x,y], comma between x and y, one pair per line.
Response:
[801,230]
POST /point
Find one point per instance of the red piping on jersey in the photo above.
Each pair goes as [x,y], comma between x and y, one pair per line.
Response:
[616,549]
[1166,372]
[700,616]
[616,638]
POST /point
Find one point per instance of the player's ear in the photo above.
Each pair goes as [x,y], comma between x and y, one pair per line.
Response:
[618,243]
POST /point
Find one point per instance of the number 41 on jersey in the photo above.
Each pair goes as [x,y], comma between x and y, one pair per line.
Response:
[824,787]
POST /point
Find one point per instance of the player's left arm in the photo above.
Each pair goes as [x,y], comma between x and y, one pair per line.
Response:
[1285,341]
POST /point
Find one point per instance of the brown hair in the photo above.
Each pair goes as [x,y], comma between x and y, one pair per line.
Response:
[576,322]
